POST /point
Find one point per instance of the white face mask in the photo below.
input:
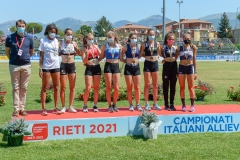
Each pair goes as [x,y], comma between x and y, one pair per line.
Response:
[68,38]
[90,42]
[133,41]
[110,40]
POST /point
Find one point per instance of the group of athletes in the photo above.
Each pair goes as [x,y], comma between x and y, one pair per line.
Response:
[50,48]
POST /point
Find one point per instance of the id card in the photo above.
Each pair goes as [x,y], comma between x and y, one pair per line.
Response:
[20,52]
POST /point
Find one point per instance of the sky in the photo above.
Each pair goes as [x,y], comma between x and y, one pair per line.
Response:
[47,11]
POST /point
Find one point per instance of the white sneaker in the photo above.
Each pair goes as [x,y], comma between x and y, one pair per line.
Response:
[138,107]
[85,109]
[95,109]
[131,108]
[63,110]
[72,110]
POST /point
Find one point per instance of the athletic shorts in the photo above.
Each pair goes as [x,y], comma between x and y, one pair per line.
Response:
[111,68]
[93,70]
[150,66]
[186,69]
[132,70]
[51,70]
[67,68]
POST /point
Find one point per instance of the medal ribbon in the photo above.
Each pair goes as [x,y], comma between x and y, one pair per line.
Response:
[19,46]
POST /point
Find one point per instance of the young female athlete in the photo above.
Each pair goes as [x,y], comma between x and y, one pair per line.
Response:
[187,70]
[111,69]
[169,74]
[151,50]
[132,69]
[49,66]
[90,58]
[67,49]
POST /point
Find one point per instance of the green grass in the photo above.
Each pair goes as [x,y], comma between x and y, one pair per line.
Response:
[221,75]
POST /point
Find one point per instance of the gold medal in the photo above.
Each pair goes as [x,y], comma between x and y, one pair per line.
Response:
[151,58]
[55,53]
[69,58]
[93,61]
[133,61]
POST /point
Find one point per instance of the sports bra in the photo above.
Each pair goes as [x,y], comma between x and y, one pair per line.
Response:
[66,48]
[167,51]
[92,52]
[186,54]
[112,53]
[129,51]
[147,50]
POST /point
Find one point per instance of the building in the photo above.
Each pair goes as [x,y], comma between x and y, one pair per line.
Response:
[131,28]
[199,30]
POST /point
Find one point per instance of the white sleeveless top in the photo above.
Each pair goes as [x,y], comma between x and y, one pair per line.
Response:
[67,48]
[50,49]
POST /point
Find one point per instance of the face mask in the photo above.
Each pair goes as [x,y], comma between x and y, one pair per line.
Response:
[52,35]
[110,40]
[133,40]
[151,38]
[170,42]
[187,41]
[90,41]
[20,30]
[68,38]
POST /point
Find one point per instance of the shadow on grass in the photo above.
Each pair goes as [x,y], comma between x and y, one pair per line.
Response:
[138,137]
[3,145]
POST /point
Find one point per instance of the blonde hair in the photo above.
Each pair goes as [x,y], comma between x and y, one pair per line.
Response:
[114,34]
[191,44]
[85,37]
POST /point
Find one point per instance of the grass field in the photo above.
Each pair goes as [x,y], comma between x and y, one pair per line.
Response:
[221,75]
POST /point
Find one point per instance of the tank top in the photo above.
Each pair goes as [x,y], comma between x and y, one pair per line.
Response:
[166,52]
[112,53]
[129,51]
[186,54]
[67,48]
[147,50]
[92,52]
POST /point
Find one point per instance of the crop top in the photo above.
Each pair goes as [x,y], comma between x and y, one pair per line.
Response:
[167,51]
[148,52]
[66,48]
[112,53]
[186,54]
[92,52]
[129,51]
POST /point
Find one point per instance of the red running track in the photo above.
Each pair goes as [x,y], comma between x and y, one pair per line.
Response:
[124,112]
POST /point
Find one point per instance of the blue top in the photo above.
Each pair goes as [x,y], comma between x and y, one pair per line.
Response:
[166,52]
[186,54]
[11,42]
[129,51]
[148,52]
[112,52]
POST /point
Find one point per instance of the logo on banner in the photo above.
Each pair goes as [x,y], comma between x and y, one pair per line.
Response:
[39,132]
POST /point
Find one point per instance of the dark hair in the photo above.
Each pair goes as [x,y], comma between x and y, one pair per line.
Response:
[169,34]
[149,32]
[49,28]
[20,21]
[85,37]
[67,29]
[130,35]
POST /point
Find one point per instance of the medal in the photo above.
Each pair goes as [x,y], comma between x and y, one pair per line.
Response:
[133,54]
[186,56]
[93,61]
[170,52]
[55,53]
[113,53]
[151,50]
[133,61]
[151,58]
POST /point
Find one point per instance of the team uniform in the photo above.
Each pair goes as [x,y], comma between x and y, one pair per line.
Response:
[92,70]
[112,54]
[150,66]
[186,55]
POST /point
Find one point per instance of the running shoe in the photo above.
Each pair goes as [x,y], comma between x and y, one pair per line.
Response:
[184,108]
[72,110]
[157,107]
[167,107]
[85,109]
[63,110]
[192,109]
[44,112]
[115,108]
[56,111]
[172,108]
[95,109]
[131,108]
[138,107]
[147,107]
[110,109]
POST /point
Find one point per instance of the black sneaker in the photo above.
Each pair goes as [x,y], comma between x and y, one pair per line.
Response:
[115,108]
[110,109]
[85,109]
[167,107]
[172,108]
[95,109]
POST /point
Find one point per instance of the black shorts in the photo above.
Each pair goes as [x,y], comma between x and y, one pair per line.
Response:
[132,70]
[111,68]
[170,70]
[51,70]
[186,69]
[67,68]
[93,70]
[150,66]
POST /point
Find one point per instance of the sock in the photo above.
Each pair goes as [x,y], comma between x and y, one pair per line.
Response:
[183,101]
[192,101]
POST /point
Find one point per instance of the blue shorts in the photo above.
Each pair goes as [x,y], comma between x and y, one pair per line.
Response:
[186,69]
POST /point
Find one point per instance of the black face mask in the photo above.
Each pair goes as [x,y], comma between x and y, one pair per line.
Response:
[187,41]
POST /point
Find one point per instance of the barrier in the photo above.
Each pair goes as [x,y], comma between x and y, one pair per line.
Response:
[206,118]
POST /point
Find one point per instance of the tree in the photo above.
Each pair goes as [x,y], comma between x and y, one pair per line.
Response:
[1,33]
[60,32]
[37,28]
[85,29]
[103,26]
[13,29]
[238,17]
[224,28]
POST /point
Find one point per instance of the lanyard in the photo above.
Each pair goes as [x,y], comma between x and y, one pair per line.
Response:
[19,46]
[92,51]
[54,46]
[134,51]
